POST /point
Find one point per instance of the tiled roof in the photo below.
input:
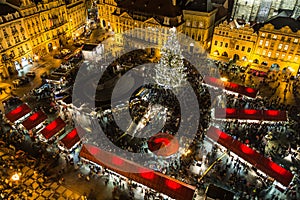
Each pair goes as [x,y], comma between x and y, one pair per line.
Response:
[155,7]
[199,5]
[280,22]
[6,9]
[14,2]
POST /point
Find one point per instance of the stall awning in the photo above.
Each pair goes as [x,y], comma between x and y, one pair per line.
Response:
[155,180]
[250,114]
[53,128]
[267,166]
[34,120]
[233,87]
[17,113]
[72,137]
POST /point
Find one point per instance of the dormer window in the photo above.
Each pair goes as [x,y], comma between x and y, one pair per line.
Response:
[167,20]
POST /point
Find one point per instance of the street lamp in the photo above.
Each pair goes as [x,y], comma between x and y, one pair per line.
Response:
[15,177]
[224,79]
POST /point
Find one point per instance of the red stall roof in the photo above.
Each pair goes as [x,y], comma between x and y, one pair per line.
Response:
[247,91]
[251,114]
[72,137]
[155,180]
[34,120]
[257,160]
[53,128]
[17,113]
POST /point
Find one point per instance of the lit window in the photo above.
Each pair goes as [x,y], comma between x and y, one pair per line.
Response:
[283,55]
[264,52]
[280,46]
[296,40]
[263,35]
[269,54]
[286,47]
[289,57]
[274,36]
[277,55]
[260,42]
[267,43]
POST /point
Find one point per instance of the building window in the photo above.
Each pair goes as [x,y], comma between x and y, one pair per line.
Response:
[264,52]
[226,45]
[261,42]
[216,42]
[221,44]
[296,40]
[280,46]
[282,38]
[282,56]
[249,50]
[269,35]
[267,43]
[243,48]
[277,55]
[263,35]
[237,47]
[296,58]
[286,47]
[289,57]
[269,54]
[274,37]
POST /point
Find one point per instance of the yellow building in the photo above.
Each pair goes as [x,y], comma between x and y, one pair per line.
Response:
[232,42]
[275,46]
[194,18]
[29,31]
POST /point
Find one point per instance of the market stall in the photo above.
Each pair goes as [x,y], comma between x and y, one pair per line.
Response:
[18,114]
[250,114]
[54,128]
[34,121]
[72,139]
[233,87]
[152,179]
[267,166]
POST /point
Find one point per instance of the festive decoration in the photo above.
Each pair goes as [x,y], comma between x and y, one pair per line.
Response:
[170,70]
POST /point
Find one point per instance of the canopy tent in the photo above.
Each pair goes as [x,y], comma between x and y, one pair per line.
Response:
[233,87]
[163,144]
[250,114]
[34,120]
[18,113]
[72,138]
[267,166]
[155,180]
[53,128]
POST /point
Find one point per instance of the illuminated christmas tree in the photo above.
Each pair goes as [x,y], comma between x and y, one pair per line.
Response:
[170,69]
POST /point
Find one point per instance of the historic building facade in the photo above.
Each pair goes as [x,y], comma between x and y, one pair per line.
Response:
[274,47]
[186,16]
[261,10]
[29,31]
[230,42]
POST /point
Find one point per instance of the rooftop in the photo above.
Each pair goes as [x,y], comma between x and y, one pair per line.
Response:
[6,9]
[155,7]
